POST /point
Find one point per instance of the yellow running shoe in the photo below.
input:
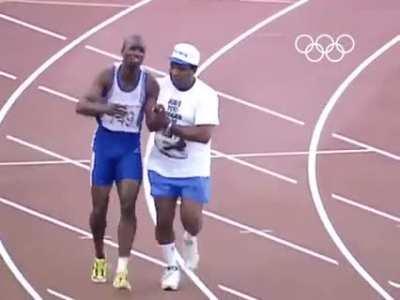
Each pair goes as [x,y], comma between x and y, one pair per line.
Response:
[99,270]
[121,281]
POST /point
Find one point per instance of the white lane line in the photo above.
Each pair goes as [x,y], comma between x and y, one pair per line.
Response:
[265,233]
[215,152]
[261,230]
[67,3]
[263,109]
[312,167]
[366,208]
[103,52]
[31,78]
[72,228]
[33,27]
[59,295]
[203,67]
[18,275]
[41,162]
[271,237]
[254,167]
[366,146]
[207,213]
[118,57]
[268,1]
[48,152]
[294,153]
[247,33]
[57,93]
[87,237]
[269,35]
[8,75]
[221,94]
[236,293]
[190,273]
[394,284]
[217,55]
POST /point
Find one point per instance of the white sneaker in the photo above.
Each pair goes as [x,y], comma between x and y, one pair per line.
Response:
[171,278]
[190,251]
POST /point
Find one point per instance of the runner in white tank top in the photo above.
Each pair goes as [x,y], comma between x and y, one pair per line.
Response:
[118,99]
[132,99]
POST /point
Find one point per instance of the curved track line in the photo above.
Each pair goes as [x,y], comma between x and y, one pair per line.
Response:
[17,93]
[59,295]
[247,33]
[394,284]
[312,167]
[14,97]
[27,82]
[221,94]
[18,275]
[33,27]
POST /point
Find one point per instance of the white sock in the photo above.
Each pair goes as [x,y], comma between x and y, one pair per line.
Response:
[122,264]
[190,240]
[169,253]
[188,237]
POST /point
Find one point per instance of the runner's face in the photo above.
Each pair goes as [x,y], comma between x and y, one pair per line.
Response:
[133,52]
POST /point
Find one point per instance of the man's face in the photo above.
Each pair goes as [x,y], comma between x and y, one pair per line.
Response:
[180,73]
[133,51]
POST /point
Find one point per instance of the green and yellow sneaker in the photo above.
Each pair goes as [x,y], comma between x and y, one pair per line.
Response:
[99,270]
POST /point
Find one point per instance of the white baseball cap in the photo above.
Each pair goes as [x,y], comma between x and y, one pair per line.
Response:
[184,53]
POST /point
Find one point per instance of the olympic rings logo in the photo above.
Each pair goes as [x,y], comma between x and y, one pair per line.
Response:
[325,45]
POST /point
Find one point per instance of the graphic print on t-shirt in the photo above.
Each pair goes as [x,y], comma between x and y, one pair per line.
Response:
[172,145]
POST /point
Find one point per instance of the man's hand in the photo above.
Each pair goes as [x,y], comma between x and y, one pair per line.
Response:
[116,110]
[161,118]
[159,108]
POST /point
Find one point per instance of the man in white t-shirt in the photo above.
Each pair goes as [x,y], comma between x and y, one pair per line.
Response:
[179,163]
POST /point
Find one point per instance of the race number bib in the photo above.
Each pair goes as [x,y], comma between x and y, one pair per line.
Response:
[127,123]
[171,146]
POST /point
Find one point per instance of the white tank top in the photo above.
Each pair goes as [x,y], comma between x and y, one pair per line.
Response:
[134,100]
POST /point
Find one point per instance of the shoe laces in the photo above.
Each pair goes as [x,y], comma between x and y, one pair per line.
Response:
[169,270]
